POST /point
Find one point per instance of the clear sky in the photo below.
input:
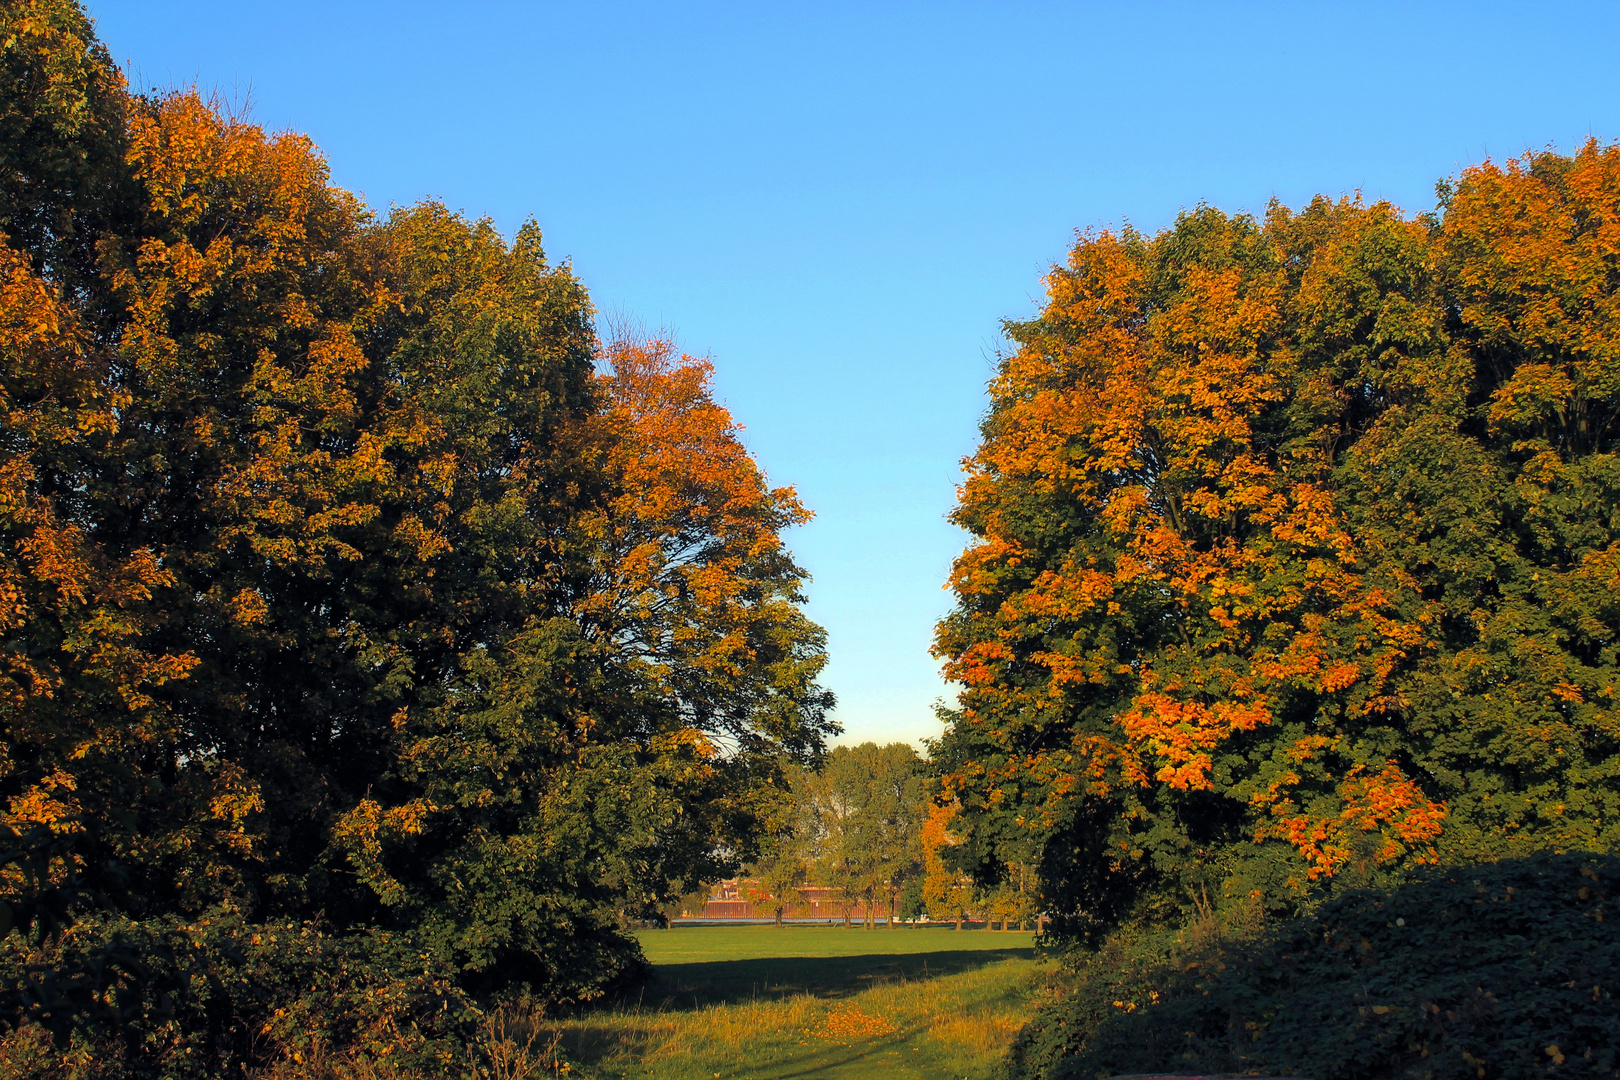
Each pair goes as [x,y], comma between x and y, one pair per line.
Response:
[839,202]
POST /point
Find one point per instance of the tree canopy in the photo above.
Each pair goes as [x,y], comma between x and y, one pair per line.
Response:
[1296,550]
[859,819]
[347,576]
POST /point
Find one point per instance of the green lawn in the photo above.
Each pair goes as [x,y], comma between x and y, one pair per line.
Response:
[689,944]
[813,1003]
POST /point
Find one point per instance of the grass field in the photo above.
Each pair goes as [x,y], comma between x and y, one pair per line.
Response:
[812,1003]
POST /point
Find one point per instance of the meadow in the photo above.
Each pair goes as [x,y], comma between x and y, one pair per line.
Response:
[812,1002]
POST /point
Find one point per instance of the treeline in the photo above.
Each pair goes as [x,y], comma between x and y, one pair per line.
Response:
[867,826]
[375,640]
[1297,543]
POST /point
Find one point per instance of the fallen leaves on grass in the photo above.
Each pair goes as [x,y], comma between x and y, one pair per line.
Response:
[849,1022]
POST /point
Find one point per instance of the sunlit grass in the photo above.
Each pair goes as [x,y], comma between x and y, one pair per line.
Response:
[897,1026]
[693,944]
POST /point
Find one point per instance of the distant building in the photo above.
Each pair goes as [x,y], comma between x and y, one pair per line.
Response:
[729,900]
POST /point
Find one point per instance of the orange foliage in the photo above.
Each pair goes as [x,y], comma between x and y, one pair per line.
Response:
[693,525]
[1295,550]
[1244,575]
[947,892]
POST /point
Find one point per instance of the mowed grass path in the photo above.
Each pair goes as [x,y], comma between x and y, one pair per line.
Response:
[813,1003]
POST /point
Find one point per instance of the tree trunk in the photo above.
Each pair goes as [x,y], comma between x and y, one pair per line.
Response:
[778,916]
[891,911]
[959,918]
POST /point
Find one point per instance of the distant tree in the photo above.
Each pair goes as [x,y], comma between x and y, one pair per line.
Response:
[782,868]
[689,904]
[829,801]
[891,821]
[862,811]
[911,903]
[774,882]
[1014,898]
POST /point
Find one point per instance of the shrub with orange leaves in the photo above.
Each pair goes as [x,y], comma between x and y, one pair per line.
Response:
[1295,553]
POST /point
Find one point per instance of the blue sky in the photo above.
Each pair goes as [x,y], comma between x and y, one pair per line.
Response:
[839,202]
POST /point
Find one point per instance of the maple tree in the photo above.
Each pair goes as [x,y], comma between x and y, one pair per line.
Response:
[1295,550]
[626,739]
[347,577]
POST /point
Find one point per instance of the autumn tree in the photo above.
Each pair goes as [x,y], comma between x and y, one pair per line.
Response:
[348,578]
[626,742]
[1295,549]
[947,891]
[82,664]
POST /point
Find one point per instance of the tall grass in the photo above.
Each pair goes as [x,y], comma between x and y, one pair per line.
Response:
[883,1026]
[899,1028]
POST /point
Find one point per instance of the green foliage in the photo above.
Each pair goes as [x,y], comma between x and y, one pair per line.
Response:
[779,873]
[1507,969]
[910,905]
[860,819]
[347,580]
[1295,554]
[178,1000]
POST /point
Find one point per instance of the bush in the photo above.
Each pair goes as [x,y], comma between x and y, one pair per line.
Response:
[217,997]
[1502,970]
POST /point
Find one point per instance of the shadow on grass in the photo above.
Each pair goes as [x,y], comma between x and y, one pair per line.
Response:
[692,986]
[816,1054]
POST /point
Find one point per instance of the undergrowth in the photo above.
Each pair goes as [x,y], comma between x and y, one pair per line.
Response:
[1505,970]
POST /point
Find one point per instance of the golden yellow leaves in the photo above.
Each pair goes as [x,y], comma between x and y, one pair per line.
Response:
[248,607]
[1181,733]
[1533,259]
[50,801]
[57,400]
[192,158]
[63,58]
[946,891]
[849,1022]
[234,798]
